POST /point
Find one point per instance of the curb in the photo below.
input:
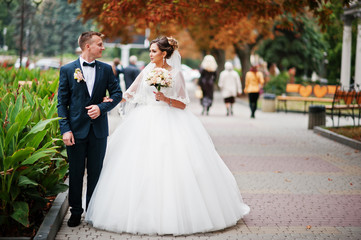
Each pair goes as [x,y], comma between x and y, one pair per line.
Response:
[54,218]
[337,137]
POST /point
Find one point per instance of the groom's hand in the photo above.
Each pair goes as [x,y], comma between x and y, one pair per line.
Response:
[93,111]
[68,139]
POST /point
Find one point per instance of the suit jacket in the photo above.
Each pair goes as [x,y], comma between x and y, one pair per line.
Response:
[73,97]
[130,74]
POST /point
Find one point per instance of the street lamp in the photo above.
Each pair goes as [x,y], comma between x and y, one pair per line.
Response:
[37,3]
[22,31]
[30,25]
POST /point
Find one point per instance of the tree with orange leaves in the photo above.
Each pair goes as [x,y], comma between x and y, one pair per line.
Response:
[124,18]
[214,24]
[244,36]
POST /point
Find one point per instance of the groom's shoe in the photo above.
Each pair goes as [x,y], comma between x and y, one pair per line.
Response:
[74,220]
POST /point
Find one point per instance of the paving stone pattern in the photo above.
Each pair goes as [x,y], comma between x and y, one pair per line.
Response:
[298,184]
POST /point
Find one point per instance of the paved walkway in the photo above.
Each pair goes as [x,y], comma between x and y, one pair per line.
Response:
[299,185]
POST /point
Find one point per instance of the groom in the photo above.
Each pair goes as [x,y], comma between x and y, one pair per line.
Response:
[84,124]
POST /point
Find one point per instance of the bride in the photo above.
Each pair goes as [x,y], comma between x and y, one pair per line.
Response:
[161,173]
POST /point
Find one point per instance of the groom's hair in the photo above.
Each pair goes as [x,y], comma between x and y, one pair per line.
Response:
[86,37]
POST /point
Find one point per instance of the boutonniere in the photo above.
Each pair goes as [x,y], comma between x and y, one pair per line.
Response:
[78,75]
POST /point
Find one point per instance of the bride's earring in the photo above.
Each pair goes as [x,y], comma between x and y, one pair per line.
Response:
[163,61]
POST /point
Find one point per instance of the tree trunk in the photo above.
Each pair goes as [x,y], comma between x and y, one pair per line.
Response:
[244,54]
[220,56]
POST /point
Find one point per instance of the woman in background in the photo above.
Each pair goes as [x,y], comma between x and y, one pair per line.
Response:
[254,83]
[206,81]
[230,85]
[117,68]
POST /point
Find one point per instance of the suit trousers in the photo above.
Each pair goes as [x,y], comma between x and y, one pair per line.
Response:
[85,153]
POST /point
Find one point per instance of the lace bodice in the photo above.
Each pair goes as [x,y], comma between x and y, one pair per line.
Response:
[141,93]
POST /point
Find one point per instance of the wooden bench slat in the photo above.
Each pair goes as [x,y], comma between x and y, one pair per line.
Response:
[307,99]
[305,91]
[355,106]
[292,87]
[320,91]
[331,89]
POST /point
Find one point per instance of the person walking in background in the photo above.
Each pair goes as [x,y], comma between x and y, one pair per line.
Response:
[117,68]
[273,70]
[230,85]
[131,71]
[292,74]
[206,81]
[254,83]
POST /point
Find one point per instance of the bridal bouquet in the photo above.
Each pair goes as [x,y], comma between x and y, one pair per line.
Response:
[159,77]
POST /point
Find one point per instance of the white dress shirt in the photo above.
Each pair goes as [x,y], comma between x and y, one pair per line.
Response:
[89,75]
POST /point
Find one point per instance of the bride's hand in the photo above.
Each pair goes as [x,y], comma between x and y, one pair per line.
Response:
[159,96]
[107,99]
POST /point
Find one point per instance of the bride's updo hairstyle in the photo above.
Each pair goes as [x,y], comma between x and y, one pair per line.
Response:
[167,44]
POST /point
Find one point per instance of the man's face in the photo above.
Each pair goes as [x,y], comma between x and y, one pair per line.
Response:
[95,47]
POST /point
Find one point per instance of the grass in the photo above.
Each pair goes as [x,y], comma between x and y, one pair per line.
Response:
[298,106]
[353,132]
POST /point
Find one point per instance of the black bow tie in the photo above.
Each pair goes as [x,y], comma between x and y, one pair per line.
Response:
[85,64]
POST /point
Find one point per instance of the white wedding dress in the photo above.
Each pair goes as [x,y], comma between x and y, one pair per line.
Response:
[162,173]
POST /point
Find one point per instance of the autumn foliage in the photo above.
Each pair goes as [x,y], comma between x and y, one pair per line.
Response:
[126,17]
[212,24]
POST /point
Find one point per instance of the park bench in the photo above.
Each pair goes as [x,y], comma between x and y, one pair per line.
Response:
[300,93]
[348,101]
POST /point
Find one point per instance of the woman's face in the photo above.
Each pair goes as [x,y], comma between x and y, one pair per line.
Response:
[156,55]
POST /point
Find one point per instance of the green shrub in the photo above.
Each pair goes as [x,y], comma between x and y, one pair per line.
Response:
[32,156]
[277,84]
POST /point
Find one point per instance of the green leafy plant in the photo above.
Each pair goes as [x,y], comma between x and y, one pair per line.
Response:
[32,162]
[277,84]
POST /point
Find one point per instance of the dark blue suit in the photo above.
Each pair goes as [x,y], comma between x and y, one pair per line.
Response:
[90,135]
